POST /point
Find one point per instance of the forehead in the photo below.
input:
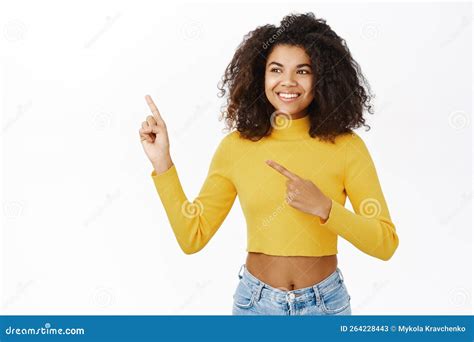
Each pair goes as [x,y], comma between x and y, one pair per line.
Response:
[288,55]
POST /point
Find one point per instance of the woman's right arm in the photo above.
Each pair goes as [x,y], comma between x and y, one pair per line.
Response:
[193,223]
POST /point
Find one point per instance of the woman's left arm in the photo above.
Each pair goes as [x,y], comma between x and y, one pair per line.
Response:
[370,228]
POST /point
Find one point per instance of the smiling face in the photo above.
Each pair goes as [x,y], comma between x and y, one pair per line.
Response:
[289,80]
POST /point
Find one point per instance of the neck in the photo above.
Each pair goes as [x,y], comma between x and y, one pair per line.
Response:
[298,115]
[294,128]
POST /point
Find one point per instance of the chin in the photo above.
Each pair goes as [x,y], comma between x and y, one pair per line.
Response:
[290,110]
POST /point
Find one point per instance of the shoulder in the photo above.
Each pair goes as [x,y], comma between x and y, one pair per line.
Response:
[232,141]
[228,140]
[356,151]
[351,141]
[226,152]
[231,136]
[228,145]
[345,138]
[354,148]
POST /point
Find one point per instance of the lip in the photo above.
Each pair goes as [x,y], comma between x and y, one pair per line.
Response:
[287,100]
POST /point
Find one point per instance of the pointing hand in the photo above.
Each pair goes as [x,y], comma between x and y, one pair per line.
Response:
[302,194]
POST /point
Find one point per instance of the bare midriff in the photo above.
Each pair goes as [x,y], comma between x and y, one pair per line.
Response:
[290,272]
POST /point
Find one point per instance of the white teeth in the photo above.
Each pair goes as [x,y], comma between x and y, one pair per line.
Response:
[288,95]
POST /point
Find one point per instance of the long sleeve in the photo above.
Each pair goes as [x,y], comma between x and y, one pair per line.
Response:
[194,223]
[370,228]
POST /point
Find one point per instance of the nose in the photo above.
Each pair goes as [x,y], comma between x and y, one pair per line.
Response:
[288,80]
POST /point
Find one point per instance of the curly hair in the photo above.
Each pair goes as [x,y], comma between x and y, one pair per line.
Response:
[340,90]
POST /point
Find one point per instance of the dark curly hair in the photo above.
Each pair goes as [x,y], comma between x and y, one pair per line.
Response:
[339,86]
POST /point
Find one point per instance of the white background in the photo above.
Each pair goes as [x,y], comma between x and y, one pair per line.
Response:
[84,231]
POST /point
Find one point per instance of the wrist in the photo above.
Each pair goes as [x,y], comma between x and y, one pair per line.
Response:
[326,210]
[163,165]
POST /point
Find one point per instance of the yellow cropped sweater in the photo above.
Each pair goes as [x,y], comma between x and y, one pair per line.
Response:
[273,226]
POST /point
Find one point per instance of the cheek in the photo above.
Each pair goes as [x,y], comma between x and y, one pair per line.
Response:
[309,97]
[307,85]
[308,89]
[270,83]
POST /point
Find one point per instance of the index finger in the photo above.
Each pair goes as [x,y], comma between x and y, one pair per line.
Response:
[284,171]
[153,108]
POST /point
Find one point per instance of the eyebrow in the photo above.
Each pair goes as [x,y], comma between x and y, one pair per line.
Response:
[298,66]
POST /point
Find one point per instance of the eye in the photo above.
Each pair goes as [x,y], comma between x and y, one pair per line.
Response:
[275,70]
[304,72]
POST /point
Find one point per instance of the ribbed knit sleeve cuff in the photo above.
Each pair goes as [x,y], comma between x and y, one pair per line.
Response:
[168,185]
[337,218]
[164,177]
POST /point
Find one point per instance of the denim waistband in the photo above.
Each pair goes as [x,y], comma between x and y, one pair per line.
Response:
[281,295]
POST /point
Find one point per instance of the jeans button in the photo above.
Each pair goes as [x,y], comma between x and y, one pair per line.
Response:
[292,296]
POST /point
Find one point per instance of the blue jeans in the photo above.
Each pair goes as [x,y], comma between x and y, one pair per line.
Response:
[254,297]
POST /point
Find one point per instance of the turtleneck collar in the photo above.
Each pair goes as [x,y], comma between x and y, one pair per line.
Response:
[291,129]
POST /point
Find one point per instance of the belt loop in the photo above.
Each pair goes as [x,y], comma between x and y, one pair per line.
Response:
[258,293]
[317,294]
[240,271]
[340,274]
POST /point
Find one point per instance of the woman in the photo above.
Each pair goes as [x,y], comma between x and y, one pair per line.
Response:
[295,96]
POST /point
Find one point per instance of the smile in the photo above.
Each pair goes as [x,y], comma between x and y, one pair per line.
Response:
[288,97]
